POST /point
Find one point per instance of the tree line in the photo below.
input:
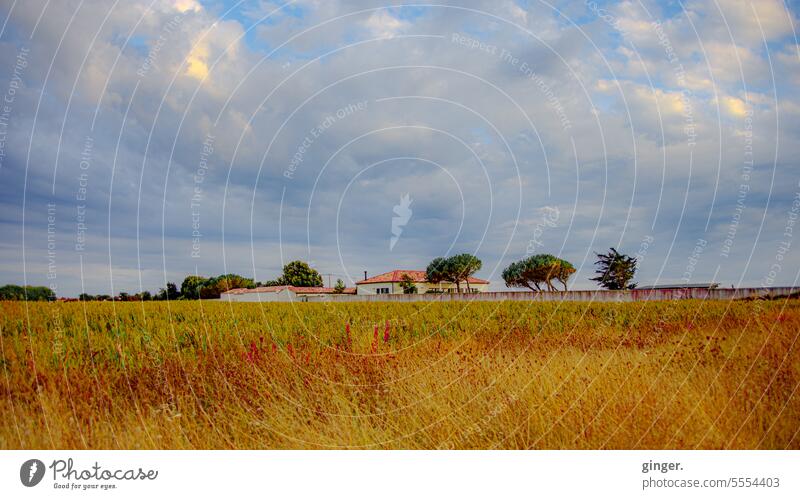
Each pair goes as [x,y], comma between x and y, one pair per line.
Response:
[195,287]
[614,271]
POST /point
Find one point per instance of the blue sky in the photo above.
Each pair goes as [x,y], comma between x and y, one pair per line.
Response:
[158,139]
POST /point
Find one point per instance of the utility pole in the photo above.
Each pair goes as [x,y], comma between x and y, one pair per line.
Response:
[329,277]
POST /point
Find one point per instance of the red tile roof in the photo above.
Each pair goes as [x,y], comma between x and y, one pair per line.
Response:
[296,289]
[416,276]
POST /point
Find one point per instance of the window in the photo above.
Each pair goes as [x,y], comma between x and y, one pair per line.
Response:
[382,291]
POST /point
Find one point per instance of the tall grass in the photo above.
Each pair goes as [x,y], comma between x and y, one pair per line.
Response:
[686,374]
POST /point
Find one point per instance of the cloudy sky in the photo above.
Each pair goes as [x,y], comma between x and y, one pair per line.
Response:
[143,141]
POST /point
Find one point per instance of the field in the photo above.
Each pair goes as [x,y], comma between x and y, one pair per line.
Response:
[686,374]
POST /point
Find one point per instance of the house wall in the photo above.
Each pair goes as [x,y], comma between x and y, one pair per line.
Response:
[372,289]
[450,287]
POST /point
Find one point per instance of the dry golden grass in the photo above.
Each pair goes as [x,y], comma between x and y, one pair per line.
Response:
[686,374]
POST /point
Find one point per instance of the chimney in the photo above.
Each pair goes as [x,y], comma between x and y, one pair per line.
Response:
[365,275]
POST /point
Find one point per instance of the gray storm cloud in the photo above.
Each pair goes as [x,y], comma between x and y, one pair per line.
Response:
[157,137]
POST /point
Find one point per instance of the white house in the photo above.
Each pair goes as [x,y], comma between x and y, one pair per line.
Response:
[278,293]
[389,283]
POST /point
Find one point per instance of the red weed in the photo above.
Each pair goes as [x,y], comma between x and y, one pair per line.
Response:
[385,332]
[252,354]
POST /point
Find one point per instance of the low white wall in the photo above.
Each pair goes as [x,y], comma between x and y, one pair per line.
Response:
[281,296]
[422,287]
[588,296]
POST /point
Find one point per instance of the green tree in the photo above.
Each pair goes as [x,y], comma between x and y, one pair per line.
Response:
[615,270]
[233,281]
[537,270]
[461,268]
[215,286]
[12,292]
[299,274]
[339,288]
[454,269]
[29,293]
[169,293]
[564,272]
[436,271]
[515,276]
[407,284]
[190,288]
[275,282]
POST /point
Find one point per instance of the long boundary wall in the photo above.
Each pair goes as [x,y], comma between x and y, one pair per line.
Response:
[597,296]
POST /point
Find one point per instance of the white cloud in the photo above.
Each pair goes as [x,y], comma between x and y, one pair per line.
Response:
[383,24]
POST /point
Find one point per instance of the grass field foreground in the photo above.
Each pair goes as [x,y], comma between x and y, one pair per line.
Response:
[686,374]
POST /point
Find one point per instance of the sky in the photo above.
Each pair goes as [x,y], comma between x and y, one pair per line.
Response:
[142,141]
